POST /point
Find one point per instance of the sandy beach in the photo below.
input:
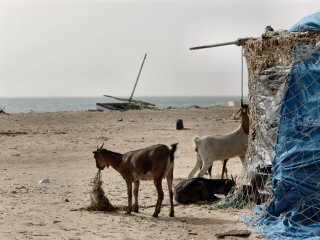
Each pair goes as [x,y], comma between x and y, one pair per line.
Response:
[59,146]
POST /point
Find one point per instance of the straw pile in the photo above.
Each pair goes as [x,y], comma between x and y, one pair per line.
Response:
[275,49]
[99,201]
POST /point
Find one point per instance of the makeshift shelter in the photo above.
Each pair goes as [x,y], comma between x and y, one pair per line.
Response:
[284,100]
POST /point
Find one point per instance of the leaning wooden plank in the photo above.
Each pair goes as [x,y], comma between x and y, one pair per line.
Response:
[135,85]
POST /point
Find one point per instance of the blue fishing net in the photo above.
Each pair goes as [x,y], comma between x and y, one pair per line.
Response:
[294,210]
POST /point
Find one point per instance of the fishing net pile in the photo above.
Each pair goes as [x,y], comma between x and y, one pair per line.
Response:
[283,157]
[99,201]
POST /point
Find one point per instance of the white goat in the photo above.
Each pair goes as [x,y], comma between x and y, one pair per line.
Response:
[212,148]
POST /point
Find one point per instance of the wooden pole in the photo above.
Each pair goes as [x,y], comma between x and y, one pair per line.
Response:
[238,42]
[135,85]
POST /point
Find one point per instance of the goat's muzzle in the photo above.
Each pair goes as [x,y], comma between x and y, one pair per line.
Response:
[98,165]
[101,163]
[96,157]
[100,168]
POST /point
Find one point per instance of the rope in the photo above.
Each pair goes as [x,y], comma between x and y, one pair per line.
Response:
[241,76]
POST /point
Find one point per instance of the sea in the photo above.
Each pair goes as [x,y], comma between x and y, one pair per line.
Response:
[62,104]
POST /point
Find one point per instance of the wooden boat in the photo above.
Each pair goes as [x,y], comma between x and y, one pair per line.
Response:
[126,104]
[117,106]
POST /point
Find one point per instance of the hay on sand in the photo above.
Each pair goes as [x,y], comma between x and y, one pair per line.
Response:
[99,201]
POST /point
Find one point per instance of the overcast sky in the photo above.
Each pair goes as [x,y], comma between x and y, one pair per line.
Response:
[95,47]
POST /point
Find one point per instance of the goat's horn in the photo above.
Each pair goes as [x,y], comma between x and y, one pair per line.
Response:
[97,148]
[102,146]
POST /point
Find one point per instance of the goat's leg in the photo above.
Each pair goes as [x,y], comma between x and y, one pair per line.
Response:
[158,184]
[207,163]
[197,165]
[226,172]
[224,169]
[129,192]
[135,194]
[169,181]
[209,171]
[243,161]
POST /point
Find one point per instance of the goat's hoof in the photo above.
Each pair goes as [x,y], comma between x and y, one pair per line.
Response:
[171,215]
[155,215]
[136,209]
[129,213]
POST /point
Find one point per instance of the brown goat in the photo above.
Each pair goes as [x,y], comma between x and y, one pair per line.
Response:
[151,163]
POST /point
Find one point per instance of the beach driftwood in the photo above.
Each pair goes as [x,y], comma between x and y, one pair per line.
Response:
[235,233]
[12,133]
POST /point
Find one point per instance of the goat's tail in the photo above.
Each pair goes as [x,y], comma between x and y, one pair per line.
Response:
[195,142]
[172,151]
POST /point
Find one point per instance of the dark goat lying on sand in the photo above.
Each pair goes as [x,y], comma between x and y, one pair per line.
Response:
[151,163]
[201,189]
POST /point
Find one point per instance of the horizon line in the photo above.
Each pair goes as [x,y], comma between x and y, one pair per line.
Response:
[139,96]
